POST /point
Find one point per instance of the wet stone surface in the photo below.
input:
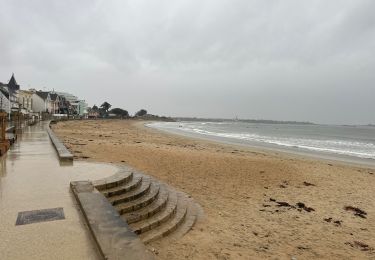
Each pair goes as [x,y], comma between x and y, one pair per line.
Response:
[33,178]
[36,216]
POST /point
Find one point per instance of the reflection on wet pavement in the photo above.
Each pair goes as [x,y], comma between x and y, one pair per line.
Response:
[31,178]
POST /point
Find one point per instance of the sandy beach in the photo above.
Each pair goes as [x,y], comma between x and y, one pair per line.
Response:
[257,205]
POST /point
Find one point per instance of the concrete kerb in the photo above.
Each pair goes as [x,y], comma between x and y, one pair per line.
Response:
[62,151]
[112,235]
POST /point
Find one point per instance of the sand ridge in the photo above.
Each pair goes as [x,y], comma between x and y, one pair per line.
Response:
[257,205]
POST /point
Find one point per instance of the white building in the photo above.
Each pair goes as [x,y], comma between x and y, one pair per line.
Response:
[54,103]
[10,92]
[79,106]
[4,101]
[25,101]
[41,102]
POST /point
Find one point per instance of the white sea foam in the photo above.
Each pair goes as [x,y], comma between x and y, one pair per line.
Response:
[319,143]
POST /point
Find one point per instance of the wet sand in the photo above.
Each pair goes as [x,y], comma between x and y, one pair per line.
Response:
[256,205]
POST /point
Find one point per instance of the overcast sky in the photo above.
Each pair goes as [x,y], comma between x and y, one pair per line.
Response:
[267,59]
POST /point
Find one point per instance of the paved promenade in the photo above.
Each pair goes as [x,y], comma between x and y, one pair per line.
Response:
[31,178]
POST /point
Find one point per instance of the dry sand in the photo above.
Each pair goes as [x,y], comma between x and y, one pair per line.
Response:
[250,198]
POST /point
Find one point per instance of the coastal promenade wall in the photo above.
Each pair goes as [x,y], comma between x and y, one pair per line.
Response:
[62,151]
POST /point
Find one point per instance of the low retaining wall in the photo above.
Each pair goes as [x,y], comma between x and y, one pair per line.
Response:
[62,151]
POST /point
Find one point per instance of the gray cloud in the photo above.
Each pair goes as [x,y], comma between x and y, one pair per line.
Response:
[287,60]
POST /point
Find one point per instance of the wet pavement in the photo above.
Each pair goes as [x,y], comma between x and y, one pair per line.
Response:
[32,179]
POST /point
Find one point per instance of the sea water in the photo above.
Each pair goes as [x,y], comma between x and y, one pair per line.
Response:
[347,141]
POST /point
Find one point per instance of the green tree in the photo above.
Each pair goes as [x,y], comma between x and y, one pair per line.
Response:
[119,112]
[95,108]
[102,112]
[141,112]
[106,106]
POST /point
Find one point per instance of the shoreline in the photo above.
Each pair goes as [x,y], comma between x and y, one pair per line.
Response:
[272,149]
[256,204]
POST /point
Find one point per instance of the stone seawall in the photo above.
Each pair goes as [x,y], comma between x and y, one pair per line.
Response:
[62,151]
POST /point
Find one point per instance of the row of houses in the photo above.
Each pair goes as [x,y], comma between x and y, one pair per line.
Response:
[34,102]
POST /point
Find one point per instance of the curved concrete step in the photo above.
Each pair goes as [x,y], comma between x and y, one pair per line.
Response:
[141,202]
[115,180]
[146,212]
[157,219]
[189,221]
[167,227]
[143,189]
[153,210]
[124,188]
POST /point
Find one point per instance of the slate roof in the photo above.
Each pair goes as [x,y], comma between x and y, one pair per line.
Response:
[5,93]
[53,96]
[42,94]
[13,84]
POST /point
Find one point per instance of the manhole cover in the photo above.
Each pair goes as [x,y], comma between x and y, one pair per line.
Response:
[42,215]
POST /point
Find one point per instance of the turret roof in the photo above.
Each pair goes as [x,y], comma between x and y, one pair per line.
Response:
[12,84]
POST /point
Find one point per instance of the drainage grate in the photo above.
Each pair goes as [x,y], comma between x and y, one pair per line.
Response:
[42,215]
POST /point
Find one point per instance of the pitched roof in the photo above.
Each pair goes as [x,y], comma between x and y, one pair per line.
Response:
[53,96]
[13,83]
[5,92]
[42,94]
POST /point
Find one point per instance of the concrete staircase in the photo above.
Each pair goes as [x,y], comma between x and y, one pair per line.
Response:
[152,209]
